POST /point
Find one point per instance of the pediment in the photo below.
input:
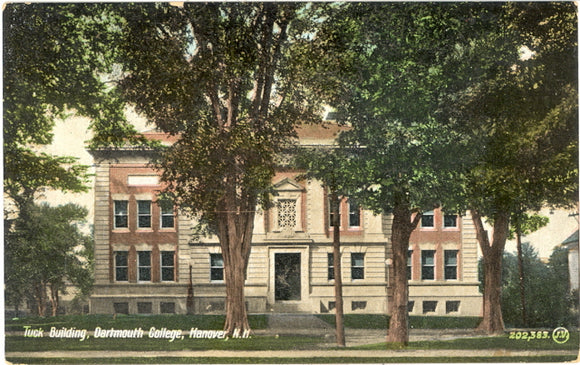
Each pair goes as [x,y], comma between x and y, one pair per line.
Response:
[288,184]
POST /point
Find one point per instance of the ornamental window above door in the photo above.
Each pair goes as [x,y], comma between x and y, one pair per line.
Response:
[287,211]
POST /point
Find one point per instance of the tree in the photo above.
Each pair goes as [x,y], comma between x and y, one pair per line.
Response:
[388,89]
[520,109]
[332,166]
[546,287]
[43,252]
[524,224]
[220,77]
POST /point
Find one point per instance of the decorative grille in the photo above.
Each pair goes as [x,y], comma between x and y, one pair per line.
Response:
[287,213]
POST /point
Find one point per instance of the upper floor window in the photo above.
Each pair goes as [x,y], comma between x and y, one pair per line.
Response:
[331,212]
[121,265]
[357,265]
[353,213]
[330,266]
[450,221]
[167,265]
[287,213]
[144,265]
[428,220]
[144,213]
[216,267]
[167,214]
[450,264]
[428,265]
[121,213]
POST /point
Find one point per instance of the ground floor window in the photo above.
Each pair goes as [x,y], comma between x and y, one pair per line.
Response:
[167,265]
[144,265]
[427,265]
[357,265]
[331,266]
[121,265]
[216,267]
[429,306]
[452,306]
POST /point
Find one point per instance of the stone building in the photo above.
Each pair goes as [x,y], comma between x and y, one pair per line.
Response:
[147,261]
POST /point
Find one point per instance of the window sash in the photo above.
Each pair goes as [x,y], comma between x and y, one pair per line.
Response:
[144,265]
[144,213]
[409,264]
[121,219]
[121,265]
[427,265]
[216,267]
[167,217]
[331,207]
[428,220]
[450,221]
[451,264]
[353,213]
[357,266]
[330,266]
[167,265]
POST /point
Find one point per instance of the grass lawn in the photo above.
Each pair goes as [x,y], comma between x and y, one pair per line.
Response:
[289,360]
[481,343]
[380,321]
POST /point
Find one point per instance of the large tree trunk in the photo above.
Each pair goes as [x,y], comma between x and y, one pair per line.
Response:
[521,274]
[235,226]
[492,322]
[40,296]
[339,306]
[54,299]
[401,232]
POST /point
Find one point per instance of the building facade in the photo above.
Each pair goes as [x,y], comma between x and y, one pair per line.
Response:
[147,261]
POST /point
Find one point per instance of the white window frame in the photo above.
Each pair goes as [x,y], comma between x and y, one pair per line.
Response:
[125,267]
[172,266]
[212,267]
[116,213]
[423,265]
[166,213]
[352,266]
[141,266]
[356,211]
[140,214]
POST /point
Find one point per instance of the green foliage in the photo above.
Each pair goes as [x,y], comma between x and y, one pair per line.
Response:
[549,301]
[526,224]
[222,78]
[46,249]
[55,58]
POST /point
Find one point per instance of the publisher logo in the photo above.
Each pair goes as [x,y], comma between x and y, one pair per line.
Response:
[560,335]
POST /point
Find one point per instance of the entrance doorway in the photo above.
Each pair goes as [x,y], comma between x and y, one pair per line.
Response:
[287,276]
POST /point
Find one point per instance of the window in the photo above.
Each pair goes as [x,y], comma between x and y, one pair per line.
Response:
[330,266]
[450,221]
[450,264]
[167,265]
[427,265]
[121,308]
[144,265]
[216,267]
[121,214]
[287,213]
[410,306]
[167,217]
[452,306]
[353,213]
[427,220]
[331,208]
[357,266]
[144,307]
[358,305]
[144,213]
[121,266]
[409,264]
[167,308]
[429,306]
